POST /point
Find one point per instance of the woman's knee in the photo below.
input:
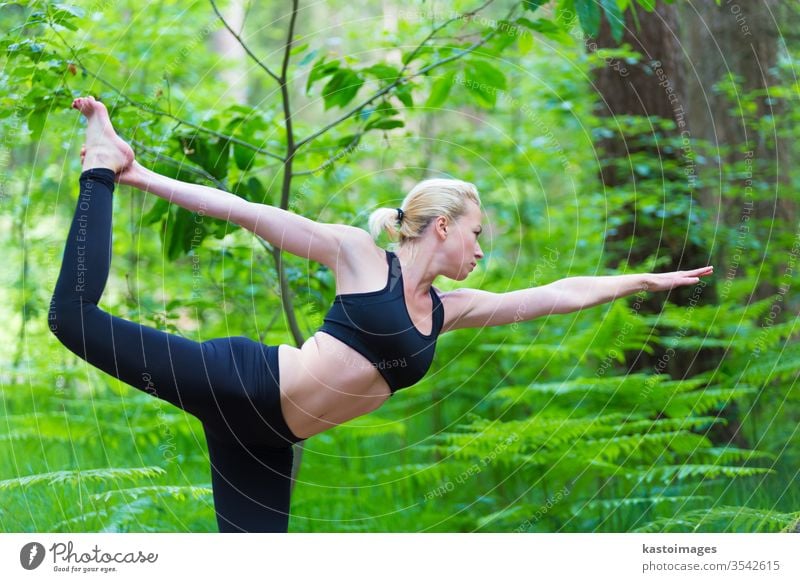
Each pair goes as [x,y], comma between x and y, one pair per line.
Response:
[61,317]
[69,321]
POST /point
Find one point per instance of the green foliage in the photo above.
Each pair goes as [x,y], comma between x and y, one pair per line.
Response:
[534,427]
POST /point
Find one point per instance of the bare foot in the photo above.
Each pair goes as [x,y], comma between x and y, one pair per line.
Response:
[103,148]
[127,176]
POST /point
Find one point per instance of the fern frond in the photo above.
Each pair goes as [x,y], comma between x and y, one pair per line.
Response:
[372,426]
[732,454]
[180,492]
[701,401]
[726,518]
[613,504]
[72,477]
[79,519]
[667,473]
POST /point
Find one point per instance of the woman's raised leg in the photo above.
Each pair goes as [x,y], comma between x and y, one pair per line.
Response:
[167,366]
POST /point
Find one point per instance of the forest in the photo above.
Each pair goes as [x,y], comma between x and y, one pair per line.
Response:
[605,137]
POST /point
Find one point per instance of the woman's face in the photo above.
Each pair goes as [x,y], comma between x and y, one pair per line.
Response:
[462,246]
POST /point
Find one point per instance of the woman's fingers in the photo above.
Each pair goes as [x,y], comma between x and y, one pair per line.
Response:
[701,271]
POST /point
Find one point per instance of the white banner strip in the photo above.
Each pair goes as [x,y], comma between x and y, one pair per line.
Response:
[400,557]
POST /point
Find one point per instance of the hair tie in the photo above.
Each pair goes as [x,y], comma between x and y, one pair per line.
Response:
[400,214]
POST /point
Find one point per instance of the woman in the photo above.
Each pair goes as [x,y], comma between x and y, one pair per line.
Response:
[255,400]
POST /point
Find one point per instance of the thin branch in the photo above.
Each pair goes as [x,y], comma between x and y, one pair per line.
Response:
[400,79]
[436,29]
[286,186]
[163,113]
[342,152]
[286,296]
[287,112]
[244,45]
[289,40]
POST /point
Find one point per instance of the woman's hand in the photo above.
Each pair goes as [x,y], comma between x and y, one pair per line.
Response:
[667,281]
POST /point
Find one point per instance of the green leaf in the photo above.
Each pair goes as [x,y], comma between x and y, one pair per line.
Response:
[384,124]
[255,190]
[63,11]
[342,88]
[349,141]
[487,73]
[320,70]
[543,26]
[210,154]
[36,123]
[308,58]
[565,14]
[648,5]
[614,17]
[298,48]
[382,71]
[403,93]
[385,109]
[484,81]
[156,213]
[440,90]
[589,15]
[420,52]
[534,5]
[244,157]
[29,48]
[179,237]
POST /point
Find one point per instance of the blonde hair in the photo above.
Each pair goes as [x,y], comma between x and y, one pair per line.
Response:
[427,200]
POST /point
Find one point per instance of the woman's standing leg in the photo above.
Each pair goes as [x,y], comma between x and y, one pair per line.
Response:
[251,483]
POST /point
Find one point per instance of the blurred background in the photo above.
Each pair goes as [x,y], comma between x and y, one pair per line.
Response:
[604,136]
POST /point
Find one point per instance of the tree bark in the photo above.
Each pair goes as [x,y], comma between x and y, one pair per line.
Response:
[654,87]
[741,39]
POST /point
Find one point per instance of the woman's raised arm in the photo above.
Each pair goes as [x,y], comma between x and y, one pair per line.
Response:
[321,242]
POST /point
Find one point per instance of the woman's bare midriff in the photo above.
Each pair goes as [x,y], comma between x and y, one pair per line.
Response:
[325,383]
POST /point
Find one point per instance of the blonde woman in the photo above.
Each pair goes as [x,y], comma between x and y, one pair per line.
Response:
[255,400]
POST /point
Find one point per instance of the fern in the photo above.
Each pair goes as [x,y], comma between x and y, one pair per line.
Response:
[181,492]
[73,477]
[614,504]
[726,519]
[667,473]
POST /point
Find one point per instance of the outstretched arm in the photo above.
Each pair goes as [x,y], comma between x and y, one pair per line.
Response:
[325,243]
[478,308]
[192,197]
[590,291]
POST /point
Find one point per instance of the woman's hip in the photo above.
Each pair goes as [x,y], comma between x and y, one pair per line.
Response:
[247,398]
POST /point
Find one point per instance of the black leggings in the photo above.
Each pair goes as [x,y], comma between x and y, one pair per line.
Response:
[230,384]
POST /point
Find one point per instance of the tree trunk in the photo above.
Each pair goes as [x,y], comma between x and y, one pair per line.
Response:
[655,86]
[740,39]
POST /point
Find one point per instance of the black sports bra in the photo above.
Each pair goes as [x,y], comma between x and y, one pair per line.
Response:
[377,325]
